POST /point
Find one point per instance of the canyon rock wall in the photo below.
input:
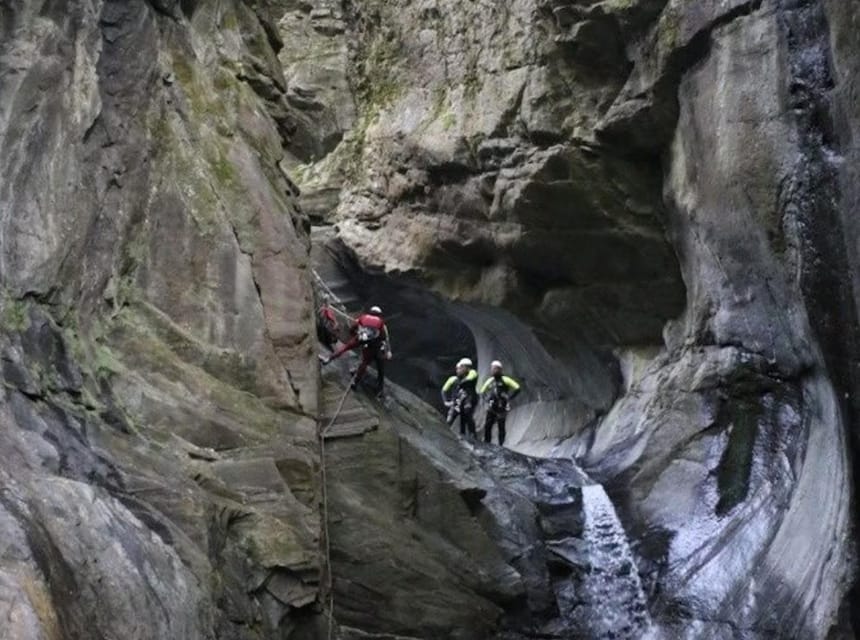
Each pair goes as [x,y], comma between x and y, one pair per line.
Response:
[646,206]
[660,189]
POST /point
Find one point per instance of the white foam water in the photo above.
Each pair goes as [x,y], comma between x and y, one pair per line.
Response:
[614,603]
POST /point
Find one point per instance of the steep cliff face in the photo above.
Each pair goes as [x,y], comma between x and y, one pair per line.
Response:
[473,162]
[645,207]
[665,185]
[158,421]
[159,389]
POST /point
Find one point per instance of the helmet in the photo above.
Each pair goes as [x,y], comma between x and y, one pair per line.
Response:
[495,364]
[376,310]
[464,362]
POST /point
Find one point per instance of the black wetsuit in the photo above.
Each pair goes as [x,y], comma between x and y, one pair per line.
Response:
[463,393]
[502,390]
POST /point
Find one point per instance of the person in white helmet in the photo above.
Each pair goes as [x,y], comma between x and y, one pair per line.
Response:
[460,395]
[498,390]
[369,333]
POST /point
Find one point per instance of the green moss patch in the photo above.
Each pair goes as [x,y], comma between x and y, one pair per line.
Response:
[14,314]
[141,342]
[733,473]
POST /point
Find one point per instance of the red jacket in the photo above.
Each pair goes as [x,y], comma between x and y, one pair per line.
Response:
[328,317]
[375,323]
[368,320]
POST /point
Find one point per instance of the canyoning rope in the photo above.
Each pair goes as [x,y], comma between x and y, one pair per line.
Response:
[329,582]
[334,302]
[322,434]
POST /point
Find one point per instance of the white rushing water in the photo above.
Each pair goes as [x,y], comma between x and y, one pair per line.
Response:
[614,603]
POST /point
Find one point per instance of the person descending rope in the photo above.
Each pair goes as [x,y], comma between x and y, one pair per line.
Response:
[460,395]
[498,391]
[327,326]
[368,332]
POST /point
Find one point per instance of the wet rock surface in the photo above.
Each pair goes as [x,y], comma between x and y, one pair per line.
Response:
[675,230]
[465,531]
[613,603]
[645,208]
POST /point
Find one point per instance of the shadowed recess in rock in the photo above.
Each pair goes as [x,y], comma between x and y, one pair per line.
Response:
[583,584]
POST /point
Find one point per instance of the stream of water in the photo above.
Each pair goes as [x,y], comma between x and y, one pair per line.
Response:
[614,604]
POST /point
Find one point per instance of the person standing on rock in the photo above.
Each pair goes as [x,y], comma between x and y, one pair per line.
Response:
[460,395]
[498,391]
[369,333]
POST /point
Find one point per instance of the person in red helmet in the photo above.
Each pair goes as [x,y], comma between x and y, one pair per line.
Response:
[369,333]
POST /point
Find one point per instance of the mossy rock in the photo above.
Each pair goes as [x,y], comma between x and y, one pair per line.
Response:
[733,473]
[14,313]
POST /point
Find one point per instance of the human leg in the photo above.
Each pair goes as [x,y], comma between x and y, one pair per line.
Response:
[349,345]
[488,426]
[366,357]
[380,370]
[469,418]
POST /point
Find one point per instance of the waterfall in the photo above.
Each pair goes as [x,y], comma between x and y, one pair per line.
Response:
[612,603]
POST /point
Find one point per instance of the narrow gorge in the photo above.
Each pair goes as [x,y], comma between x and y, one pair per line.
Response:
[647,209]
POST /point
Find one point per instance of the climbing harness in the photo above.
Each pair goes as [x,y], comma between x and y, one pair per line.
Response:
[366,335]
[499,398]
[499,402]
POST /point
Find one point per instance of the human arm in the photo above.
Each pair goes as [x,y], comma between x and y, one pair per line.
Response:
[512,385]
[387,338]
[447,389]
